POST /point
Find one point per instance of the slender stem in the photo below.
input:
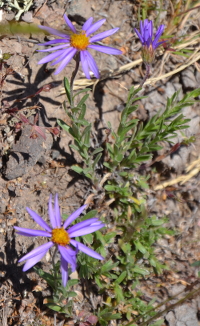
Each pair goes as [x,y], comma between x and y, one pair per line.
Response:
[74,73]
[148,68]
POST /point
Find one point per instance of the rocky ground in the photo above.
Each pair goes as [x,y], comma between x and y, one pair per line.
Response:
[28,182]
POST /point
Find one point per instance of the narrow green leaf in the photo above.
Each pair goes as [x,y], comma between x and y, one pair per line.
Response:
[63,125]
[141,271]
[82,113]
[67,89]
[88,238]
[72,282]
[90,214]
[76,148]
[97,150]
[142,158]
[77,169]
[96,160]
[53,307]
[86,136]
[75,131]
[107,165]
[109,188]
[118,293]
[119,157]
[121,277]
[110,149]
[156,222]
[196,263]
[82,91]
[140,247]
[82,101]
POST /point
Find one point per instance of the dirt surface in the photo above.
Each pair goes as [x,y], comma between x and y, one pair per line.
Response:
[32,168]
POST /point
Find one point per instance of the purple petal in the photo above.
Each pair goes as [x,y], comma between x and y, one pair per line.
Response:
[139,35]
[146,23]
[69,23]
[37,251]
[87,24]
[57,211]
[84,64]
[157,44]
[25,234]
[32,233]
[38,219]
[61,57]
[73,216]
[96,223]
[50,57]
[105,34]
[160,31]
[105,49]
[86,230]
[158,34]
[95,26]
[73,254]
[31,262]
[142,27]
[54,48]
[73,266]
[151,29]
[148,42]
[92,64]
[51,214]
[56,41]
[66,60]
[53,31]
[82,224]
[86,250]
[64,271]
[65,253]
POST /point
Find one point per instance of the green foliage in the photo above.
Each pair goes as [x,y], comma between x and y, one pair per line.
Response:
[80,130]
[61,300]
[128,247]
[17,28]
[106,315]
[132,144]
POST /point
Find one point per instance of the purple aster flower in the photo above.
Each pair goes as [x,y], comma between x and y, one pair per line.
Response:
[60,237]
[78,42]
[150,41]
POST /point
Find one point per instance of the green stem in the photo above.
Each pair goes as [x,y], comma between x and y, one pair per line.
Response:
[148,68]
[74,73]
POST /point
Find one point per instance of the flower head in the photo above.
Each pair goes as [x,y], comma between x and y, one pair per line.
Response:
[61,236]
[78,42]
[150,41]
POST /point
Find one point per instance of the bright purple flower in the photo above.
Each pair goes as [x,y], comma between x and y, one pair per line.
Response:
[78,42]
[149,40]
[60,237]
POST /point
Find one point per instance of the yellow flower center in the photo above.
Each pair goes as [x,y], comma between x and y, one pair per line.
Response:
[60,237]
[79,41]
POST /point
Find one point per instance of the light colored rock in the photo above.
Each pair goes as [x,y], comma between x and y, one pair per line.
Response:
[79,8]
[188,78]
[186,316]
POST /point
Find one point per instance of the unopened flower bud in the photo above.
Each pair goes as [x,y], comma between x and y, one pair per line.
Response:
[149,40]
